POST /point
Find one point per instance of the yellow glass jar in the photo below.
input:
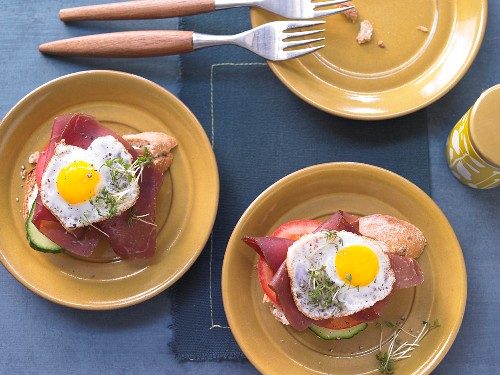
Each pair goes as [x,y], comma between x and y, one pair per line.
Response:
[473,146]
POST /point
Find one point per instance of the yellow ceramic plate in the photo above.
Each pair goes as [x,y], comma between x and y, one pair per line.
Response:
[315,193]
[413,70]
[186,205]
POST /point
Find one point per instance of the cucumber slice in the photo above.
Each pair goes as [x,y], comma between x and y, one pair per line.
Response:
[37,240]
[337,334]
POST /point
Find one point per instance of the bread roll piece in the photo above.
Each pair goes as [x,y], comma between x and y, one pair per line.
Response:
[350,14]
[365,32]
[158,144]
[400,237]
[29,185]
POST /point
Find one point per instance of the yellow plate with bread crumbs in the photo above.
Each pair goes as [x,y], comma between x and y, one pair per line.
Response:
[186,204]
[428,47]
[315,193]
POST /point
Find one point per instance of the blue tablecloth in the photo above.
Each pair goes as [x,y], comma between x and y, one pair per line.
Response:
[40,337]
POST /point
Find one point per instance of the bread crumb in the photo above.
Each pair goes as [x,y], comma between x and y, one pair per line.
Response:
[33,158]
[423,29]
[365,32]
[381,44]
[350,14]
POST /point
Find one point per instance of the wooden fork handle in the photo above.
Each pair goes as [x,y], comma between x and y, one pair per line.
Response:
[124,44]
[138,9]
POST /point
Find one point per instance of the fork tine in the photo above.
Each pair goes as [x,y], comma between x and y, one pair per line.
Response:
[330,12]
[296,43]
[299,24]
[302,33]
[300,52]
[328,3]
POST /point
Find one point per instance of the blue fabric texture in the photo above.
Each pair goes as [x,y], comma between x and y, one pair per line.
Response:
[261,132]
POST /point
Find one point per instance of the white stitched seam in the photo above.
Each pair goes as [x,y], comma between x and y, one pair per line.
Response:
[212,71]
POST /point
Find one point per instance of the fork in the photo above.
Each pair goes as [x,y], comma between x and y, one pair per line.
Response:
[143,9]
[268,41]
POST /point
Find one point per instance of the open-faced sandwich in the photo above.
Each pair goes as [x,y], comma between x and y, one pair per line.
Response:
[335,276]
[90,184]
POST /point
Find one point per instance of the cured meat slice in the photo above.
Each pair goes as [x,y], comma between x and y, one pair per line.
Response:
[407,271]
[340,221]
[273,249]
[81,241]
[280,283]
[133,234]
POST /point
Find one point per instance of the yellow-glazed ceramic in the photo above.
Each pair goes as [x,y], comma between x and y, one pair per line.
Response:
[186,204]
[315,193]
[413,70]
[473,146]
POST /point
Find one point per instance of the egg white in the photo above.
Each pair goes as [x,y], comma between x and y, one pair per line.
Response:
[82,214]
[318,250]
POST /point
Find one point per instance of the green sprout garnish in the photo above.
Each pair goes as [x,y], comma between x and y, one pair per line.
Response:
[106,201]
[119,167]
[122,173]
[323,291]
[133,216]
[348,277]
[330,235]
[85,221]
[398,350]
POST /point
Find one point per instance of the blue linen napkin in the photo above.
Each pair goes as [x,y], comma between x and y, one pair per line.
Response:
[261,132]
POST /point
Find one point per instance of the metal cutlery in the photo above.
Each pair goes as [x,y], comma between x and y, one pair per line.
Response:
[270,41]
[144,9]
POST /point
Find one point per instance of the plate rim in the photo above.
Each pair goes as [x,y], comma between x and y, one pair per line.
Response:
[408,185]
[151,290]
[276,68]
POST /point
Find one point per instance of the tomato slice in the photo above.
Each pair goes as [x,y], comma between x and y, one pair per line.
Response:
[265,276]
[292,230]
[295,229]
[340,323]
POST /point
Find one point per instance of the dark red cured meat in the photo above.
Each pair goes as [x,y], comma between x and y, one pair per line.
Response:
[281,286]
[273,249]
[81,241]
[136,239]
[340,221]
[407,271]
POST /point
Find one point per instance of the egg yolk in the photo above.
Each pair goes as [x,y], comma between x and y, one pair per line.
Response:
[77,181]
[357,265]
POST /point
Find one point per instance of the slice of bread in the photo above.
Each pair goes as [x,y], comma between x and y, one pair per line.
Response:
[158,144]
[29,185]
[400,237]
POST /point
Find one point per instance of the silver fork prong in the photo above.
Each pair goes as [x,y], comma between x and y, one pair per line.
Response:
[299,24]
[330,12]
[295,43]
[300,52]
[328,3]
[298,34]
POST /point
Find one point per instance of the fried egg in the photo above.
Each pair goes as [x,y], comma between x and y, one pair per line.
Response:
[335,274]
[84,186]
